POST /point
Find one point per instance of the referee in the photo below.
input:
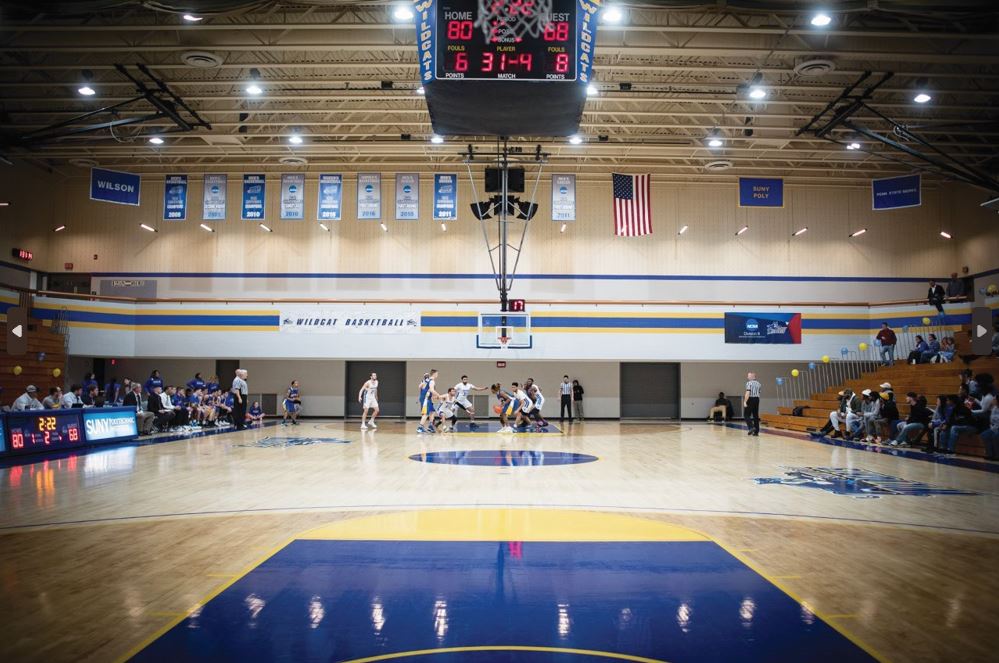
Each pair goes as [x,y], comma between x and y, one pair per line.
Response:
[565,390]
[239,392]
[751,404]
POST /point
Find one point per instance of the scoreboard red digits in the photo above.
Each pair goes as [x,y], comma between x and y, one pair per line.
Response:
[472,50]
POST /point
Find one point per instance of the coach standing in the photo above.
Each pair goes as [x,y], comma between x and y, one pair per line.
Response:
[751,404]
[565,389]
[239,392]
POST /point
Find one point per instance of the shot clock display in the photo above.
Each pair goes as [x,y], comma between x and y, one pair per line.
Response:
[40,430]
[470,52]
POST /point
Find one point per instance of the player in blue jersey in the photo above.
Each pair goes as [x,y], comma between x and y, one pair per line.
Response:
[507,406]
[256,413]
[154,381]
[197,382]
[292,404]
[428,393]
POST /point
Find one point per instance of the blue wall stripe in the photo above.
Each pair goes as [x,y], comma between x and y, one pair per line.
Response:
[162,320]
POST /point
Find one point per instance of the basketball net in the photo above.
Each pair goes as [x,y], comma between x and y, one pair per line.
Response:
[503,340]
[511,20]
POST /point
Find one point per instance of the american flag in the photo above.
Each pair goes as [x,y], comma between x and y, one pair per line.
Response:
[632,210]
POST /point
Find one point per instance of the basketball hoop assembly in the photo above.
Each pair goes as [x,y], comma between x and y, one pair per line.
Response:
[511,20]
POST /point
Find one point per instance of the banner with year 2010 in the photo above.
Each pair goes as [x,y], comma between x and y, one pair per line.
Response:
[293,196]
[445,197]
[175,198]
[369,196]
[563,197]
[330,197]
[213,203]
[254,192]
[407,196]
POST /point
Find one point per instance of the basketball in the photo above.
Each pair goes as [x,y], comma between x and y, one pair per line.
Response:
[497,409]
[926,321]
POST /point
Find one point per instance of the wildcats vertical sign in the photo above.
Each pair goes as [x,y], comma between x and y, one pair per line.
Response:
[175,198]
[445,197]
[254,190]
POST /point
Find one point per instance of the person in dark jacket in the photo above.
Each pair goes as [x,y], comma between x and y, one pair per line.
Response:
[938,426]
[888,341]
[918,351]
[961,421]
[935,296]
[919,418]
[577,398]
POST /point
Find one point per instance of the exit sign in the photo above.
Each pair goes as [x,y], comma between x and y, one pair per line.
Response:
[22,254]
[501,364]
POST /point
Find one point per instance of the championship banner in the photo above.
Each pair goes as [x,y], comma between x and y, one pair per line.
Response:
[293,196]
[407,196]
[761,192]
[175,198]
[213,203]
[445,197]
[112,186]
[774,328]
[330,197]
[896,192]
[326,321]
[369,196]
[254,192]
[563,197]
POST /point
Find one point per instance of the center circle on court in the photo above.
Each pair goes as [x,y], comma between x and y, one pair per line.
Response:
[503,457]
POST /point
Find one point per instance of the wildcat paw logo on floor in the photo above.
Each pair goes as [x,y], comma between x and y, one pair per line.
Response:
[856,482]
[271,442]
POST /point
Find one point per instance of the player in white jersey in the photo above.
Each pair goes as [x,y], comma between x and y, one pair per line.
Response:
[462,391]
[447,411]
[525,406]
[368,398]
[539,401]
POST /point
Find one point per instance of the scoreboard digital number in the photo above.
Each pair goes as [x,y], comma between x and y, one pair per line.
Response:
[470,51]
[50,429]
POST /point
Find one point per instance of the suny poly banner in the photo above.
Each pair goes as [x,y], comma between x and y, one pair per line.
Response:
[112,186]
[763,328]
[761,192]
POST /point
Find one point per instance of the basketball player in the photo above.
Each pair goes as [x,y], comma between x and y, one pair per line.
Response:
[526,406]
[539,401]
[462,390]
[292,404]
[507,406]
[447,413]
[368,398]
[427,395]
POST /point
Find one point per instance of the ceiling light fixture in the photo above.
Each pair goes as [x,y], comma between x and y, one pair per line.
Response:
[156,140]
[384,227]
[922,98]
[858,233]
[683,230]
[191,18]
[58,229]
[254,89]
[742,230]
[324,226]
[945,234]
[821,20]
[715,142]
[149,228]
[420,90]
[295,139]
[802,231]
[562,229]
[591,90]
[443,226]
[575,140]
[436,140]
[757,92]
[612,14]
[207,228]
[5,203]
[853,146]
[265,228]
[87,91]
[402,13]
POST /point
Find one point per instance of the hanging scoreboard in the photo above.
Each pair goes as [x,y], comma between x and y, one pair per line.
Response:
[486,74]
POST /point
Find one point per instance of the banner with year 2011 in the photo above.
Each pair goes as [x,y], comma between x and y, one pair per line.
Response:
[175,198]
[213,203]
[330,197]
[407,196]
[563,197]
[369,196]
[293,196]
[254,192]
[445,197]
[896,192]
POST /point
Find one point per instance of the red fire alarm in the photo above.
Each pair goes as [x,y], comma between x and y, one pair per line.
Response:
[501,364]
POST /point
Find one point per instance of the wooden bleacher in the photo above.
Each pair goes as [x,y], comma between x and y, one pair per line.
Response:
[41,338]
[931,380]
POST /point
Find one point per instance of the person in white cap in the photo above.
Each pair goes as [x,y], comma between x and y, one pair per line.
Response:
[887,392]
[28,400]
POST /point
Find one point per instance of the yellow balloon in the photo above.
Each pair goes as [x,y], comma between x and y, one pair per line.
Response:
[17,370]
[794,373]
[862,346]
[926,321]
[825,359]
[56,372]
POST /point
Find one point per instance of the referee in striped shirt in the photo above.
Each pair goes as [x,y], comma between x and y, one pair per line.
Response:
[751,404]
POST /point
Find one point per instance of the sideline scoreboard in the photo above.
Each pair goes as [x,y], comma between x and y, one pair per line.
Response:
[36,431]
[484,75]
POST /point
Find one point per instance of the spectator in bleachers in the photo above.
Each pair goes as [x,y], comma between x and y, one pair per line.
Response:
[54,400]
[955,287]
[960,422]
[938,426]
[918,351]
[888,415]
[90,396]
[870,410]
[990,436]
[722,408]
[965,397]
[90,380]
[888,341]
[932,349]
[72,398]
[935,296]
[144,419]
[28,400]
[917,421]
[968,379]
[995,340]
[845,414]
[947,350]
[154,381]
[987,395]
[159,404]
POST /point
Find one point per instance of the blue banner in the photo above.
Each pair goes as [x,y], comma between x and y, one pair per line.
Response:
[112,186]
[293,196]
[108,424]
[761,192]
[763,328]
[254,191]
[213,201]
[445,197]
[896,192]
[330,197]
[175,198]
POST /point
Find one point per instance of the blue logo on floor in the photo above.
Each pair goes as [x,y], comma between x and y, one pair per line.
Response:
[857,482]
[271,442]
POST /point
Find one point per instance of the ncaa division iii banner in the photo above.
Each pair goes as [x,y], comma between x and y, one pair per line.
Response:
[563,197]
[328,321]
[175,198]
[293,196]
[213,203]
[763,328]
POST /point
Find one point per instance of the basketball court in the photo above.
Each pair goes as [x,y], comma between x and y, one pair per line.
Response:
[508,331]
